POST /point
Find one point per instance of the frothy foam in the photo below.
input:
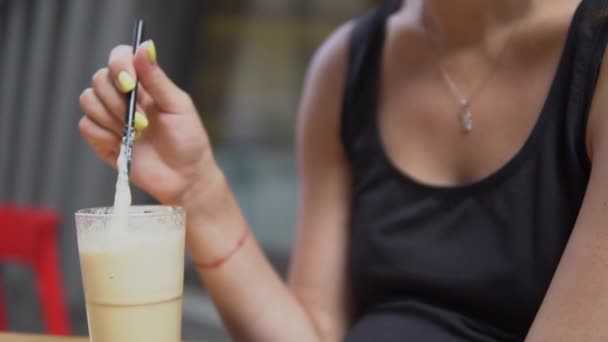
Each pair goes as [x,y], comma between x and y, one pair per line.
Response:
[122,197]
[109,240]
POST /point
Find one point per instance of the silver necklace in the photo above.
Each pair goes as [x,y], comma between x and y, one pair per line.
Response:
[465,114]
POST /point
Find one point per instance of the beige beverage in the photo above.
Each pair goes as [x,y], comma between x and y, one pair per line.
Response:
[133,277]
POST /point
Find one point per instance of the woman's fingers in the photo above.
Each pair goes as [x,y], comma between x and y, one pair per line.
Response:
[167,96]
[98,112]
[121,68]
[105,105]
[108,94]
[114,100]
[104,142]
[145,101]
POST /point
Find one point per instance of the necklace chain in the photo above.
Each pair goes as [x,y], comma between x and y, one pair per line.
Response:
[465,114]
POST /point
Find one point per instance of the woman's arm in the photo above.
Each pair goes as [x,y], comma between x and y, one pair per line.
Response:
[576,305]
[253,301]
[318,274]
[173,161]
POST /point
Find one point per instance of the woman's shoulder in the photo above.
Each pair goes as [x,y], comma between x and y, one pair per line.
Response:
[543,32]
[336,47]
[320,104]
[333,52]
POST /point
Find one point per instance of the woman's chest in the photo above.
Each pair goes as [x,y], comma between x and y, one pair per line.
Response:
[457,119]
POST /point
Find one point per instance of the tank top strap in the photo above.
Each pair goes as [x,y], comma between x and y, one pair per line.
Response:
[590,24]
[594,36]
[365,51]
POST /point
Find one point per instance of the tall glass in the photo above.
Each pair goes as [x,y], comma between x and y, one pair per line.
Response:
[133,273]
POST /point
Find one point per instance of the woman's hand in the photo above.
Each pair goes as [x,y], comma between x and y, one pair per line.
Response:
[172,156]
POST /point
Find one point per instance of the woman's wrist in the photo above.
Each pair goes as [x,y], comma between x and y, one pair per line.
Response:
[209,183]
[215,223]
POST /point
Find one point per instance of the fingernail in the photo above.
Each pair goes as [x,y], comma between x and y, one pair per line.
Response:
[126,81]
[151,50]
[141,122]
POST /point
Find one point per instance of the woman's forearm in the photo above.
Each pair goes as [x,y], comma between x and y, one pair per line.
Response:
[252,299]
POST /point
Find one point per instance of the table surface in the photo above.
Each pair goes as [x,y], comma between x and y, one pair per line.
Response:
[11,337]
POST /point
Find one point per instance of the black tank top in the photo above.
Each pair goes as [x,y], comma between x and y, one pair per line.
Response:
[472,262]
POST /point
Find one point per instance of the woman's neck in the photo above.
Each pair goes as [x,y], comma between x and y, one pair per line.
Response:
[459,23]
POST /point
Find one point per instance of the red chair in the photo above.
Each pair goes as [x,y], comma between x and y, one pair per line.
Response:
[28,236]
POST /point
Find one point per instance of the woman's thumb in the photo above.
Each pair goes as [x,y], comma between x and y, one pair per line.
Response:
[168,96]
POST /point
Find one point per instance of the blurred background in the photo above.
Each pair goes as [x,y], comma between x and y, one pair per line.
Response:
[243,61]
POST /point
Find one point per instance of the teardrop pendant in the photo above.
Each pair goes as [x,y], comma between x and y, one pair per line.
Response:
[466,117]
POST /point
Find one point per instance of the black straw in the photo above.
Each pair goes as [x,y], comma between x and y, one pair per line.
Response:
[129,133]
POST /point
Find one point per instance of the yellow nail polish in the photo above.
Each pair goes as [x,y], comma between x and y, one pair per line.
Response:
[141,122]
[151,50]
[126,81]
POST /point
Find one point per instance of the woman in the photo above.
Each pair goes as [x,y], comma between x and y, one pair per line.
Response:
[451,156]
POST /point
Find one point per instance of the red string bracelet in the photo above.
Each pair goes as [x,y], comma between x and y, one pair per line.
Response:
[220,261]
